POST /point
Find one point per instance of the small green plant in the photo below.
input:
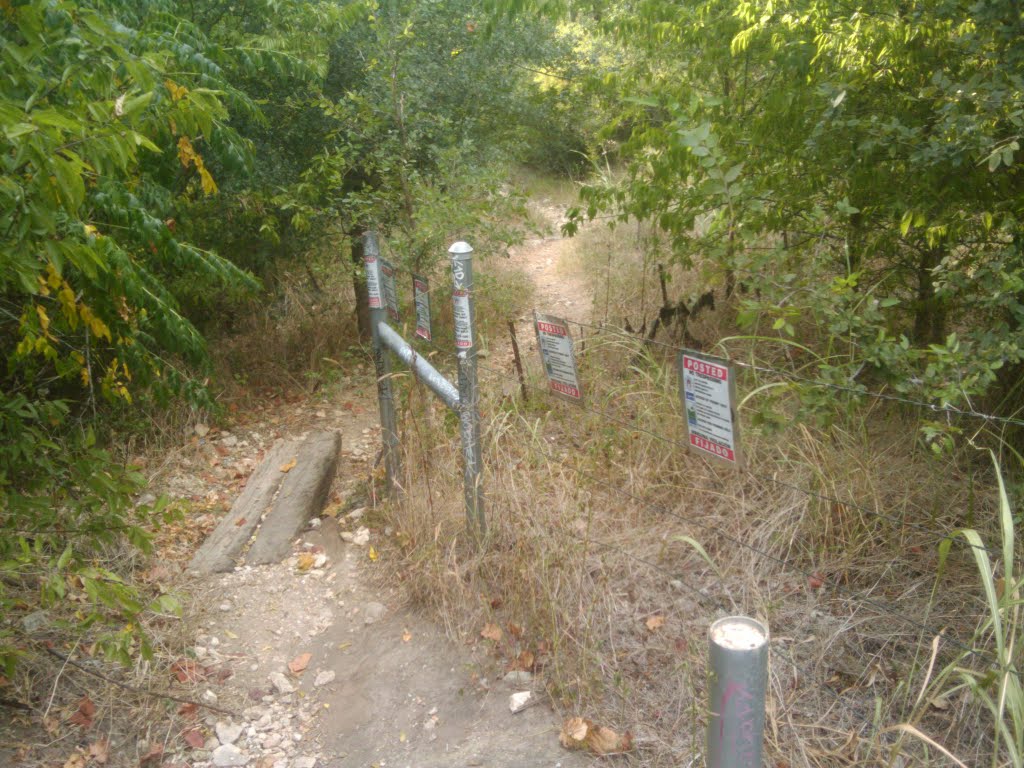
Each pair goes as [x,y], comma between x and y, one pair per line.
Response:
[992,679]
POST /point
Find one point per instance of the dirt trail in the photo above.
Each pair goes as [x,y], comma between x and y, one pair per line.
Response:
[559,289]
[382,686]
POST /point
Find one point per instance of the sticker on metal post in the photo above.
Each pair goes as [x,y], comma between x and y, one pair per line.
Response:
[707,388]
[463,320]
[558,357]
[387,279]
[421,300]
[373,281]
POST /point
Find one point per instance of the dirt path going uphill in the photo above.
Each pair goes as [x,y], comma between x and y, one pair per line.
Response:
[376,685]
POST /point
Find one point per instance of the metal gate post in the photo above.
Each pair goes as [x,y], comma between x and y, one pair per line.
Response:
[739,674]
[382,362]
[469,391]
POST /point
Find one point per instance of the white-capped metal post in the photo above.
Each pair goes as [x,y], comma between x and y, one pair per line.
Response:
[739,675]
[382,362]
[469,391]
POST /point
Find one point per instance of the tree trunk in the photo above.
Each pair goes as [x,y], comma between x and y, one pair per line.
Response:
[930,311]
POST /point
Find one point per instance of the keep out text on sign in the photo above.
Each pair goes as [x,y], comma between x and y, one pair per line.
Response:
[558,357]
[707,388]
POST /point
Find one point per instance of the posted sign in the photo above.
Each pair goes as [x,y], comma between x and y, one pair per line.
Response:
[421,299]
[707,386]
[373,281]
[463,324]
[387,279]
[556,352]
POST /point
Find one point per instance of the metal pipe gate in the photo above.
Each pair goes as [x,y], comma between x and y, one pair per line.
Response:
[463,400]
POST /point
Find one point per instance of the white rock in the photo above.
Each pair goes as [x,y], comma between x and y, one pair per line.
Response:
[200,652]
[373,612]
[226,606]
[315,523]
[229,755]
[320,561]
[227,733]
[271,740]
[361,537]
[208,697]
[517,701]
[280,682]
[304,762]
[323,678]
[347,536]
[356,514]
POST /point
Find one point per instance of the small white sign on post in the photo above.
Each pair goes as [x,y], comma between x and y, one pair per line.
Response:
[373,281]
[463,327]
[387,279]
[556,352]
[707,387]
[421,300]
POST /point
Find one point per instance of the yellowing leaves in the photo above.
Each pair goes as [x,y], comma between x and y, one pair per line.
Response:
[188,157]
[491,632]
[580,733]
[178,92]
[655,622]
[289,466]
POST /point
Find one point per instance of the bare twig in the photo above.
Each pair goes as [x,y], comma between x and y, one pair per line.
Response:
[134,689]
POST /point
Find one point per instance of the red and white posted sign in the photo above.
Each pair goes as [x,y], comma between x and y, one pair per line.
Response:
[707,388]
[556,352]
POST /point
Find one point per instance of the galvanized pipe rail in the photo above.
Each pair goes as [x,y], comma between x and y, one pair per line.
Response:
[463,400]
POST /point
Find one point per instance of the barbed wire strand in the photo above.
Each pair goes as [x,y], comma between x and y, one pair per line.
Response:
[836,586]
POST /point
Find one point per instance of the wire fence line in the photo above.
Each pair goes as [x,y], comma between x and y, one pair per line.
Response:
[945,642]
[873,603]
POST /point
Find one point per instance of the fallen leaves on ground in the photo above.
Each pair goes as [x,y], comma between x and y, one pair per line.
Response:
[298,665]
[372,554]
[187,671]
[525,661]
[77,760]
[99,751]
[491,632]
[655,622]
[153,757]
[194,738]
[406,636]
[306,561]
[580,733]
[84,715]
[289,466]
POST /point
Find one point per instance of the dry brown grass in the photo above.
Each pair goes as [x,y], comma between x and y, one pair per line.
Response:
[830,536]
